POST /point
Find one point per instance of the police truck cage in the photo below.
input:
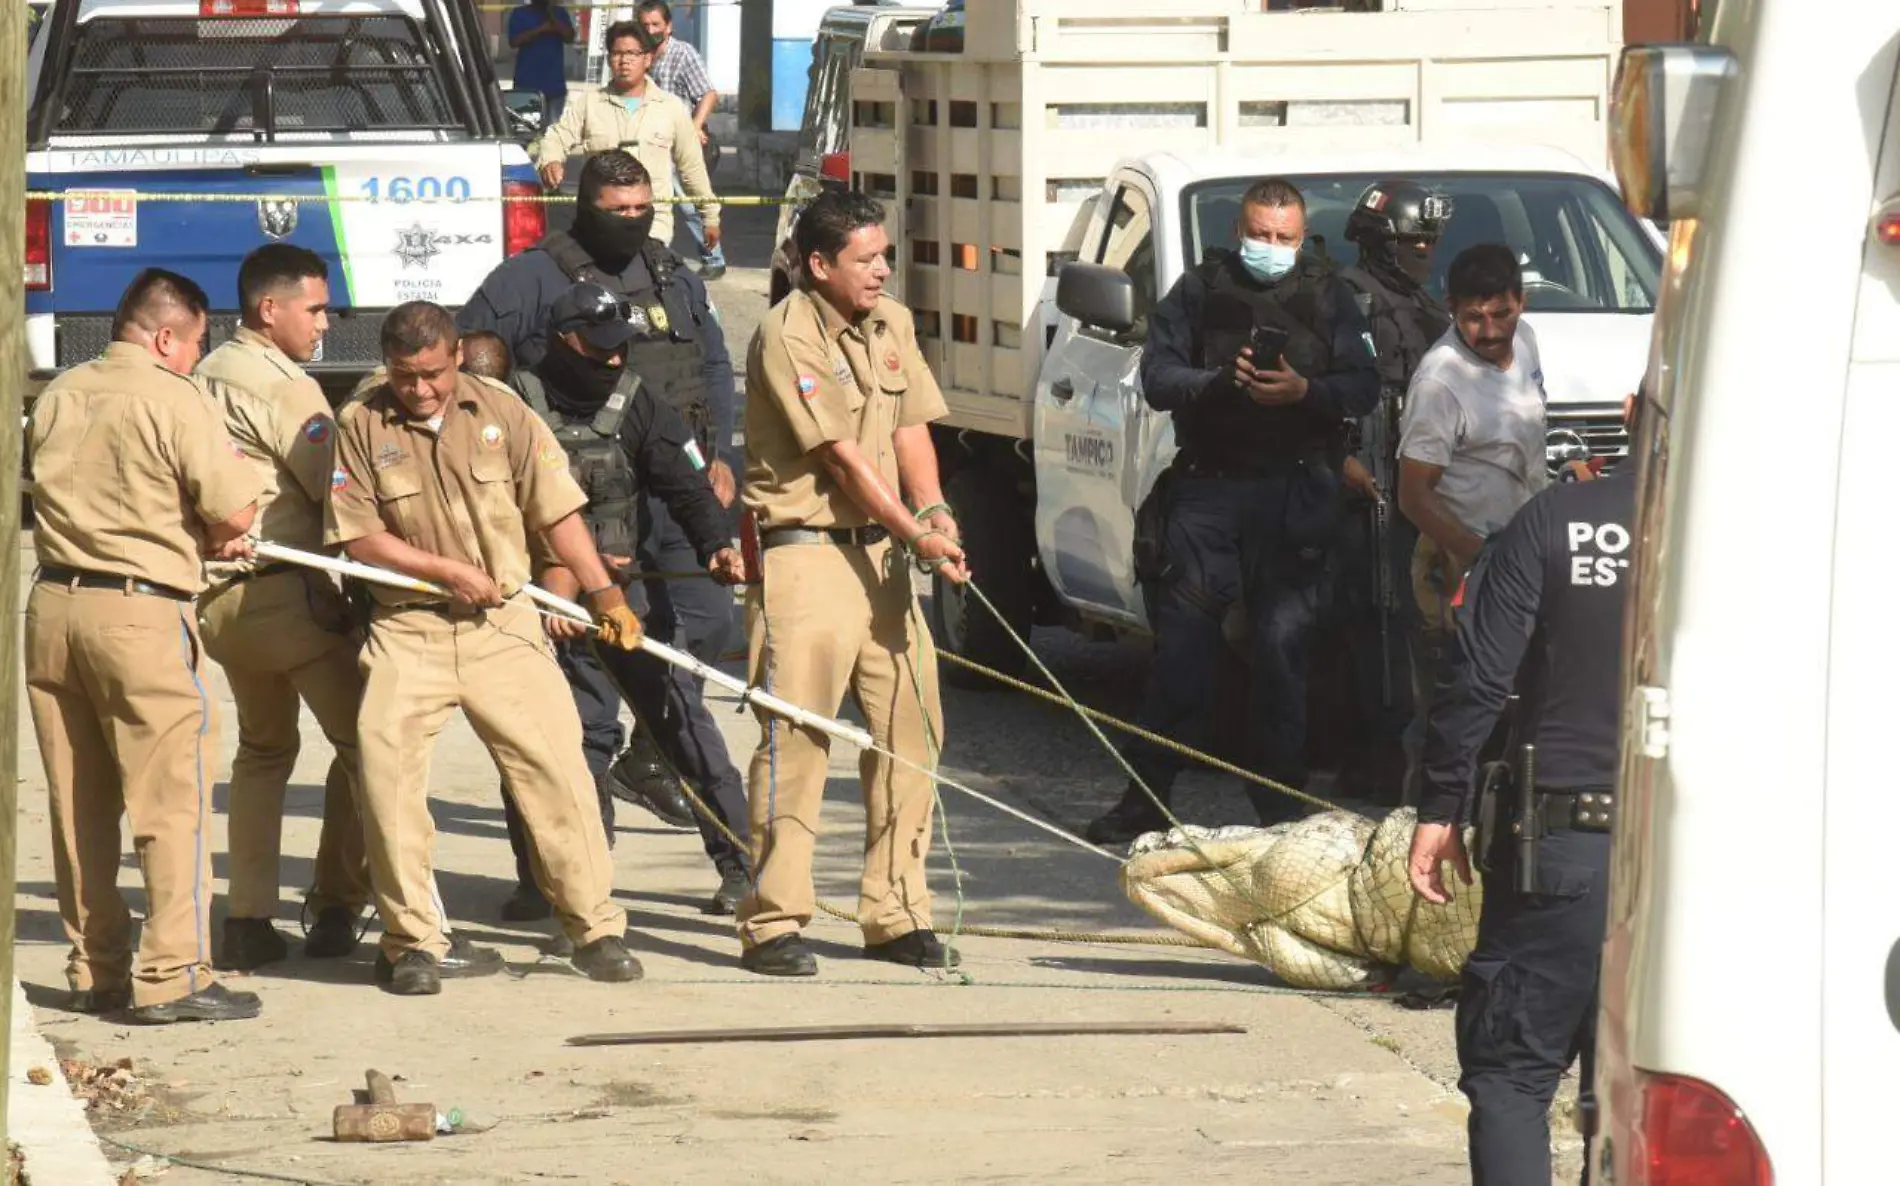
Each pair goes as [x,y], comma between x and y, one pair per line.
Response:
[370,131]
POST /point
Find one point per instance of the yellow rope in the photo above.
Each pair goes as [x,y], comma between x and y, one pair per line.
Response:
[1153,738]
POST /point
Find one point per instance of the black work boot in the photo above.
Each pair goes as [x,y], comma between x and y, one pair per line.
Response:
[608,961]
[642,778]
[786,955]
[734,885]
[334,936]
[413,974]
[1136,815]
[526,905]
[249,944]
[917,949]
[465,960]
[97,1001]
[216,1003]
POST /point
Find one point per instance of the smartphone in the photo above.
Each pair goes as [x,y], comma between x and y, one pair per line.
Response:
[1266,343]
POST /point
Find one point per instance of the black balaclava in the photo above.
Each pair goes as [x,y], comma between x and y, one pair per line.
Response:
[577,385]
[611,239]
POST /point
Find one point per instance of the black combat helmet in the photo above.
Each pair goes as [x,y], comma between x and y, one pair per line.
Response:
[1392,210]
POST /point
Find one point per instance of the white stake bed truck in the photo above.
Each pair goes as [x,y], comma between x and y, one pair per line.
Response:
[1124,135]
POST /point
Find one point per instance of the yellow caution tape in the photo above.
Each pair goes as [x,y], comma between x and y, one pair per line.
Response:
[66,195]
[302,199]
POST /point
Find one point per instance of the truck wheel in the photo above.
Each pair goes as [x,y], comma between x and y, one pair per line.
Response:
[999,539]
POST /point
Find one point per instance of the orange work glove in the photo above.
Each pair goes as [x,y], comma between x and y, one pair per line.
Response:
[619,626]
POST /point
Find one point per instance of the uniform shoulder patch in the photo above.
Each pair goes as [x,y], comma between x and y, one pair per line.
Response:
[316,430]
[806,386]
[552,456]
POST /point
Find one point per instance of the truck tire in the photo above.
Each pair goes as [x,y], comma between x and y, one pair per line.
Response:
[999,540]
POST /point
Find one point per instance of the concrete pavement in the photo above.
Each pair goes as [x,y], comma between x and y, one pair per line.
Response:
[1317,1091]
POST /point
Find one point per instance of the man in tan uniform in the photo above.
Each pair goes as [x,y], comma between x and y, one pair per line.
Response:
[134,481]
[633,112]
[838,403]
[283,633]
[446,477]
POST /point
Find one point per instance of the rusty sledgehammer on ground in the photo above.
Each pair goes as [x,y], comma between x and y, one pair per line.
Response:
[984,1029]
[382,1118]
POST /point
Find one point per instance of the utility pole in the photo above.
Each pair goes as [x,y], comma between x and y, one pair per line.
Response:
[755,66]
[13,15]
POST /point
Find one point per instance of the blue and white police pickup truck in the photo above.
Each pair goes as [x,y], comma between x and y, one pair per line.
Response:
[370,131]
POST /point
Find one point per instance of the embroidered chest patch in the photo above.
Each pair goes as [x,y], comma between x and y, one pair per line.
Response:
[491,436]
[339,478]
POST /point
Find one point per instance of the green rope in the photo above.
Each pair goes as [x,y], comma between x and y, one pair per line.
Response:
[209,1167]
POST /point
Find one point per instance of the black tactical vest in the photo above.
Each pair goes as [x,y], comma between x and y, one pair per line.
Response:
[1224,429]
[1571,677]
[665,348]
[597,459]
[1405,324]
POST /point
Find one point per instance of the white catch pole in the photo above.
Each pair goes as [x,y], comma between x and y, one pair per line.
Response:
[348,568]
[706,671]
[562,607]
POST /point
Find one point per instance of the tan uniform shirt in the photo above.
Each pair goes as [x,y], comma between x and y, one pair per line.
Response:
[130,462]
[471,491]
[278,416]
[660,135]
[811,378]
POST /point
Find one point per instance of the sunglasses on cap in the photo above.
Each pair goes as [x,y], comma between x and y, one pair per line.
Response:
[602,308]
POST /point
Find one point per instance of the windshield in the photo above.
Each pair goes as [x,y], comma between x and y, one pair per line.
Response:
[211,77]
[1582,251]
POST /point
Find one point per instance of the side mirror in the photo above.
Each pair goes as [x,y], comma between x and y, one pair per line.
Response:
[1662,119]
[529,108]
[1098,296]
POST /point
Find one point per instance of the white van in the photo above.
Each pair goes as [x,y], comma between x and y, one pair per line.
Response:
[1750,1026]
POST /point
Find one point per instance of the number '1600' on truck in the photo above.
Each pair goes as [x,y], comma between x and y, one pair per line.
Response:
[189,132]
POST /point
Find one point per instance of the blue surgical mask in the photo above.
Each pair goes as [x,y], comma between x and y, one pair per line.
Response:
[1267,262]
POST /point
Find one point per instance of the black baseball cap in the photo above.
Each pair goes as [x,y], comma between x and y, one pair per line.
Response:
[597,315]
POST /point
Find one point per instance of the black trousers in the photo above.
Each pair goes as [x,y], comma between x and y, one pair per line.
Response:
[1528,1004]
[1261,542]
[669,704]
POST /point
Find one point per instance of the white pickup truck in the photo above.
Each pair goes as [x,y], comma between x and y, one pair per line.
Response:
[1063,133]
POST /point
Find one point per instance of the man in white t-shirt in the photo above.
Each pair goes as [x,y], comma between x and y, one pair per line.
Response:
[1471,445]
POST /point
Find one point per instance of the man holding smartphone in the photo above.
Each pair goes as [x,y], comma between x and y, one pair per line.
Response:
[1259,354]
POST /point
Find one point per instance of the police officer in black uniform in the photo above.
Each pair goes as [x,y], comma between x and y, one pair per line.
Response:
[1249,507]
[679,352]
[1396,224]
[623,445]
[1542,612]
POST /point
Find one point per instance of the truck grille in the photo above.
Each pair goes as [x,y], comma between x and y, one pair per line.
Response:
[1600,430]
[354,343]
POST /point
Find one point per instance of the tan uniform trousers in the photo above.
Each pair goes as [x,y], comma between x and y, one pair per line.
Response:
[116,685]
[827,621]
[283,639]
[419,666]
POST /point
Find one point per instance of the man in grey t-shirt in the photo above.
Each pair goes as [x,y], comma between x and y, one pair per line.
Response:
[1471,446]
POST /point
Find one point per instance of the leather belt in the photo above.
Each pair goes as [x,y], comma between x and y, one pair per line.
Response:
[840,537]
[80,578]
[1582,811]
